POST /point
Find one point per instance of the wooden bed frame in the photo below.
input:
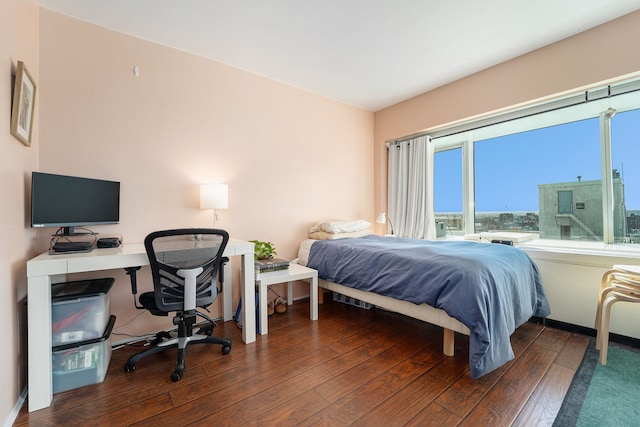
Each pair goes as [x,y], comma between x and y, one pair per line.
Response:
[423,312]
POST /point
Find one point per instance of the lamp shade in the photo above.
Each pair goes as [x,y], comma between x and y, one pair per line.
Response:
[214,196]
[382,219]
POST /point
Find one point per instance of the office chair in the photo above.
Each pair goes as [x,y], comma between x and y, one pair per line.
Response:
[185,264]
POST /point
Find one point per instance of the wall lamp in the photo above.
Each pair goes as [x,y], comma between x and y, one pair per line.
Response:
[214,196]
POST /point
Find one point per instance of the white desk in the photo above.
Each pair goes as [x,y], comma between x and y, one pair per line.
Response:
[46,269]
[294,272]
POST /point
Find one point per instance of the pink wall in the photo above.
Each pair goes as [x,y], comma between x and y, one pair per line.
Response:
[600,54]
[18,42]
[290,158]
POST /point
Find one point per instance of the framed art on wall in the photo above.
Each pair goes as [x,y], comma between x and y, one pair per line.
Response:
[24,96]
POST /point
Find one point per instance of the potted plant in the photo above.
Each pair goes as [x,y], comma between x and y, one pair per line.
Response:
[263,250]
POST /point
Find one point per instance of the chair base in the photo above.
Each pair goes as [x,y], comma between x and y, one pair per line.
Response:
[161,344]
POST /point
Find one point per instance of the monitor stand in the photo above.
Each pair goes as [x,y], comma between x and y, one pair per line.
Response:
[71,231]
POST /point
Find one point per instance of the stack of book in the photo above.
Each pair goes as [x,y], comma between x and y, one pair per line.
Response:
[271,264]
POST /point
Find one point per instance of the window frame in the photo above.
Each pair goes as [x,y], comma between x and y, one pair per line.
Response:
[625,96]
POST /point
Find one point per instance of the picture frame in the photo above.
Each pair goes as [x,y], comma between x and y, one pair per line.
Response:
[22,110]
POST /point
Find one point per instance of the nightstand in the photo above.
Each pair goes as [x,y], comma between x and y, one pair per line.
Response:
[289,275]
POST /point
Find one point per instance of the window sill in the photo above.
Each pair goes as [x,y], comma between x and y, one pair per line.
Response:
[599,249]
[571,247]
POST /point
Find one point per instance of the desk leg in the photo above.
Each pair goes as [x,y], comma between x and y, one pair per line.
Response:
[227,293]
[289,293]
[248,293]
[313,294]
[39,341]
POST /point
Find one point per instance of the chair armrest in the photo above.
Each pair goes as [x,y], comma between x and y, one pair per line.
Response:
[223,262]
[131,272]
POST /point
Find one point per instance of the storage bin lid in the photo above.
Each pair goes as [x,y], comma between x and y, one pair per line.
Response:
[81,288]
[104,337]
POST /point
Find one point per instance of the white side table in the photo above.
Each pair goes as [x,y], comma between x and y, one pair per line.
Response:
[294,272]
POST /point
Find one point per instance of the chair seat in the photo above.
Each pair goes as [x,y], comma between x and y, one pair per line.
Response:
[148,301]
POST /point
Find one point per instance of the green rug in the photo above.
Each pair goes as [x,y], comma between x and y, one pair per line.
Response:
[604,395]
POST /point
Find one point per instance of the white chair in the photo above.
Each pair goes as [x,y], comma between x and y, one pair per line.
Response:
[622,283]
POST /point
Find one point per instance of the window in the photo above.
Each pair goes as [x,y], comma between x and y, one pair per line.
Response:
[447,190]
[565,202]
[527,181]
[625,159]
[541,170]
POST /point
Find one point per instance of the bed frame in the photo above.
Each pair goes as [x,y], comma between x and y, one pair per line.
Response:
[423,312]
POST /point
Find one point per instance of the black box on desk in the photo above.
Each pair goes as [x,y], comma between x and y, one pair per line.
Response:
[80,364]
[80,310]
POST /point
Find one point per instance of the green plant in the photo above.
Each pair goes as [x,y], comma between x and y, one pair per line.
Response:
[263,250]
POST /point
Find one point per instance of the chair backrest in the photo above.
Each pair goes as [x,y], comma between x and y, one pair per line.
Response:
[171,251]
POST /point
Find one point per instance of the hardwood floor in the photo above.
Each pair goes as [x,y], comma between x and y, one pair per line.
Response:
[351,367]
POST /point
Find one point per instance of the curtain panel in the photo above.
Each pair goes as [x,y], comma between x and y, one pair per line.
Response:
[410,188]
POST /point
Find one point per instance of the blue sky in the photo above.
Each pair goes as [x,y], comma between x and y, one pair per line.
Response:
[509,168]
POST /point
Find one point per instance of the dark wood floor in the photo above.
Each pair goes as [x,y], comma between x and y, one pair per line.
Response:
[351,367]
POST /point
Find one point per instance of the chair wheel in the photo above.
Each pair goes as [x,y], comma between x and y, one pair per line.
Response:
[226,349]
[129,367]
[176,376]
[206,331]
[160,337]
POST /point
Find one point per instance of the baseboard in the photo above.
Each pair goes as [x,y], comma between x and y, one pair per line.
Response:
[591,332]
[16,409]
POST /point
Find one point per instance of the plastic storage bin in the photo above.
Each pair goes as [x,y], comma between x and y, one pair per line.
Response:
[80,364]
[351,301]
[80,310]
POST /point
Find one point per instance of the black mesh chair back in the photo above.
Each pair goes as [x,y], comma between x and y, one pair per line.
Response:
[172,252]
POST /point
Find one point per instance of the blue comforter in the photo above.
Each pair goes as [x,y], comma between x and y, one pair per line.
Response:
[490,288]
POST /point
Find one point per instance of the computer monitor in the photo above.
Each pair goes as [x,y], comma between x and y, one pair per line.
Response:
[69,201]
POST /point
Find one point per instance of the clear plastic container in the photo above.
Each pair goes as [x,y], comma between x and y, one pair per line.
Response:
[80,364]
[80,310]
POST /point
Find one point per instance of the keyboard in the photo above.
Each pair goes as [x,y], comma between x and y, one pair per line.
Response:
[72,247]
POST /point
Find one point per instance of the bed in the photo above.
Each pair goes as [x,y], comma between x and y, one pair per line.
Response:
[479,289]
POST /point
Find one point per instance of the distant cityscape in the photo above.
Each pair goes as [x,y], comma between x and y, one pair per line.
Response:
[523,222]
[567,211]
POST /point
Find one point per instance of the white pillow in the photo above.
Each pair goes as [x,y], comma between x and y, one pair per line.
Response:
[341,226]
[323,235]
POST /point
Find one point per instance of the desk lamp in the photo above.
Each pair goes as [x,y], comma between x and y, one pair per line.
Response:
[382,218]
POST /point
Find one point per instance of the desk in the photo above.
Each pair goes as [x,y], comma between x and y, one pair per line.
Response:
[294,272]
[46,269]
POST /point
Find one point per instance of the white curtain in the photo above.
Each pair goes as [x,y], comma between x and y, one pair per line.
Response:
[410,188]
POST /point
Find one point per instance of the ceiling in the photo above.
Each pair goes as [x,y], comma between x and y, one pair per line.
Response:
[366,53]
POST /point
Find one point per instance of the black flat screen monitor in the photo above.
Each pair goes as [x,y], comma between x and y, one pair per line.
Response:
[70,201]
